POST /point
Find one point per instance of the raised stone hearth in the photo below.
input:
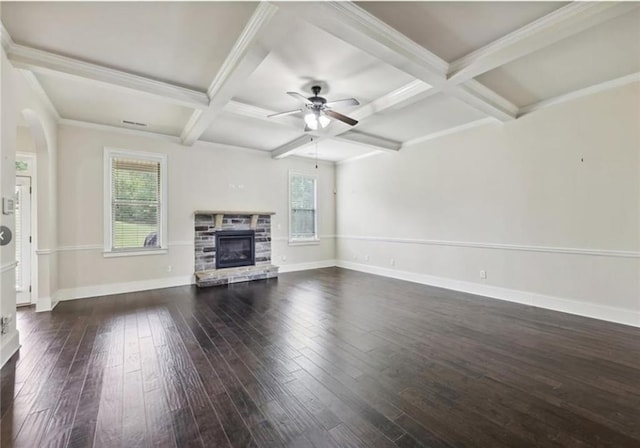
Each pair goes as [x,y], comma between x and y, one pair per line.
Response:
[208,223]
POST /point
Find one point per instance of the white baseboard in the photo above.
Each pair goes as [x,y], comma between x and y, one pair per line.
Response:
[84,292]
[10,345]
[47,303]
[306,266]
[586,309]
[44,304]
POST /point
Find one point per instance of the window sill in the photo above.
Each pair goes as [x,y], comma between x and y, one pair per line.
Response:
[134,253]
[309,242]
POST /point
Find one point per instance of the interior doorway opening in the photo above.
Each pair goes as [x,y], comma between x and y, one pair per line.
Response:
[24,226]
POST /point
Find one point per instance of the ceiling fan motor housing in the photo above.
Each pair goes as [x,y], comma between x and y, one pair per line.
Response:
[317,101]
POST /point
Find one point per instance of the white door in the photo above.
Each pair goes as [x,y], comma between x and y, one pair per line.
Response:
[23,240]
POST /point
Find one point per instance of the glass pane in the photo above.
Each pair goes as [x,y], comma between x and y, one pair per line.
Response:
[136,203]
[303,207]
[137,180]
[135,225]
[303,223]
[22,165]
[18,235]
[303,192]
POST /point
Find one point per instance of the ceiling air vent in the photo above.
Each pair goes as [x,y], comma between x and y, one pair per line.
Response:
[134,123]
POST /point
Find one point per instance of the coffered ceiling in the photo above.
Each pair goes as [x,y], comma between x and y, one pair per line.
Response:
[213,71]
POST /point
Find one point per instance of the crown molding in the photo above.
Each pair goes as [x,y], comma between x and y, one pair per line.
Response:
[117,129]
[155,135]
[555,26]
[35,85]
[486,100]
[245,56]
[5,37]
[449,131]
[39,61]
[596,88]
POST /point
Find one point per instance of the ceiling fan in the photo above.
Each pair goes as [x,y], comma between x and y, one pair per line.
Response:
[319,111]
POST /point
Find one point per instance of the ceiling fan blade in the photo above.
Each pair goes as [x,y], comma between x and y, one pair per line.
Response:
[300,97]
[343,102]
[284,114]
[336,116]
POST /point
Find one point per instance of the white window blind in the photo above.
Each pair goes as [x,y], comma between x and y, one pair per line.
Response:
[303,207]
[135,203]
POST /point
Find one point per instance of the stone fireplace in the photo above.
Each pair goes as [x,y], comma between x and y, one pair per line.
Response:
[232,247]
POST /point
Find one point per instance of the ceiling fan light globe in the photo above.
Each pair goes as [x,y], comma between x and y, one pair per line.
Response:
[324,121]
[312,121]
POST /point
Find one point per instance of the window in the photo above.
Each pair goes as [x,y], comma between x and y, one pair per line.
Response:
[135,203]
[303,217]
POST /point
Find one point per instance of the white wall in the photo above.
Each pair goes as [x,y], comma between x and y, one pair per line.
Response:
[549,185]
[19,105]
[203,177]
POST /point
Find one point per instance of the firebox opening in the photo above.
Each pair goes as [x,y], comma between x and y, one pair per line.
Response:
[235,248]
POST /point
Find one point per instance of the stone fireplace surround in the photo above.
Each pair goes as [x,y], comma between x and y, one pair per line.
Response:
[207,223]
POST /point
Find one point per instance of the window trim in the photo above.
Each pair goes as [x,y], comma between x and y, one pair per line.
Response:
[316,238]
[109,155]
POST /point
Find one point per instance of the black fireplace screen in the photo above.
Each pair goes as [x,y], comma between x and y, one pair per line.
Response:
[235,248]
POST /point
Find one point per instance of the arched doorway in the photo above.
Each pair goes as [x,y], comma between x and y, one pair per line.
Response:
[32,148]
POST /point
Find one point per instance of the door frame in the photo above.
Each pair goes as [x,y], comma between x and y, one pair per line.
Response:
[25,244]
[32,172]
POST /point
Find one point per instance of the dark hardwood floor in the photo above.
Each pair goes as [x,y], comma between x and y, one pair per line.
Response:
[319,358]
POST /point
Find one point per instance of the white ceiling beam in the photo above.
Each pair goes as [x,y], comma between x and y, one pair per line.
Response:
[600,87]
[288,148]
[558,25]
[259,113]
[250,49]
[369,140]
[353,24]
[484,99]
[398,98]
[47,63]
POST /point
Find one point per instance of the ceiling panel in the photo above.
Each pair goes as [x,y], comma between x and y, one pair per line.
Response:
[435,113]
[453,29]
[310,54]
[604,52]
[184,43]
[333,151]
[90,102]
[248,132]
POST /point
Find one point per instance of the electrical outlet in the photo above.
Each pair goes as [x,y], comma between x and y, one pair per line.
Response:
[366,258]
[283,258]
[483,274]
[392,262]
[169,268]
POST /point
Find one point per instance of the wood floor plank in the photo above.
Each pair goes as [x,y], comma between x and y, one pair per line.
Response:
[322,358]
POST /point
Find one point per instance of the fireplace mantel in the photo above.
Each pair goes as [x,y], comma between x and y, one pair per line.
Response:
[223,212]
[219,216]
